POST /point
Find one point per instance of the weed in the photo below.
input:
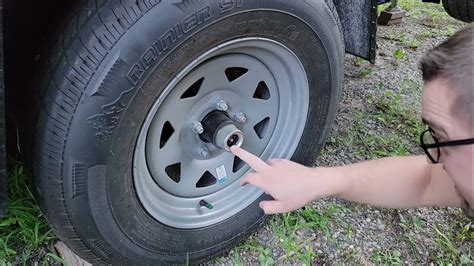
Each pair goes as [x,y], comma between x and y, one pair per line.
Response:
[59,260]
[357,61]
[399,54]
[350,257]
[387,257]
[287,225]
[387,146]
[408,5]
[392,113]
[320,220]
[466,259]
[265,256]
[450,30]
[444,242]
[410,239]
[428,34]
[448,243]
[348,232]
[370,144]
[365,72]
[365,67]
[413,44]
[463,234]
[393,35]
[286,232]
[24,229]
[411,226]
[433,12]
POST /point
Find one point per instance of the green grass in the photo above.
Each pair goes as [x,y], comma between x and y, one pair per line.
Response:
[286,225]
[388,110]
[286,228]
[365,68]
[409,227]
[392,113]
[393,34]
[24,230]
[320,220]
[448,242]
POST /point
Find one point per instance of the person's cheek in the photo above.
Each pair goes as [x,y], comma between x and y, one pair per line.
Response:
[458,167]
[445,153]
[449,164]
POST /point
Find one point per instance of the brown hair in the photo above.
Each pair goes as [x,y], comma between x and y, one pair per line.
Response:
[453,60]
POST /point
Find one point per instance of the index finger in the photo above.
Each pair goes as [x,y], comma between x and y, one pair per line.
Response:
[253,161]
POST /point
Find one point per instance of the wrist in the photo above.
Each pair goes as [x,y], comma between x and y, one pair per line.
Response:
[344,179]
[330,181]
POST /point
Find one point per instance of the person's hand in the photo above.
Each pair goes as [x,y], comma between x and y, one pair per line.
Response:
[291,185]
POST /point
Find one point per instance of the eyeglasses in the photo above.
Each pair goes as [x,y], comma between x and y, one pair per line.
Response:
[430,144]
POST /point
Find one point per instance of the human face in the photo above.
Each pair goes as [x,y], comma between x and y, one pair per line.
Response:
[457,161]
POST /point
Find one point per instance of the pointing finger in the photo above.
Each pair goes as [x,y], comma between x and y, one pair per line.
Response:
[253,161]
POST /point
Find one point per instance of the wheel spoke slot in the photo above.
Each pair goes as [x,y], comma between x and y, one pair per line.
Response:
[174,172]
[238,164]
[261,127]
[166,133]
[206,180]
[262,92]
[193,90]
[234,73]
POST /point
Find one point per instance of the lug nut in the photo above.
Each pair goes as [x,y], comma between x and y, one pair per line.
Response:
[240,117]
[204,152]
[198,128]
[222,105]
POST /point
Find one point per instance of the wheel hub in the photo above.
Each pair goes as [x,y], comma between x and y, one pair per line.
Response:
[221,131]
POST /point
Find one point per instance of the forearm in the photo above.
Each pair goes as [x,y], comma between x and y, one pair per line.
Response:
[398,182]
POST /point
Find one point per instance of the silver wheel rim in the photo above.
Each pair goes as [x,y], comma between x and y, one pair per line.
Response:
[174,170]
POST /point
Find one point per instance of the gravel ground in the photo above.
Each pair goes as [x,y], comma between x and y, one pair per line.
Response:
[369,125]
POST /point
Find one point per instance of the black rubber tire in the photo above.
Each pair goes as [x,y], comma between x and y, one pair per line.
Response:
[462,10]
[102,79]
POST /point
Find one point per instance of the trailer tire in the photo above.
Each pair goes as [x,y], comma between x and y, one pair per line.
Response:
[109,68]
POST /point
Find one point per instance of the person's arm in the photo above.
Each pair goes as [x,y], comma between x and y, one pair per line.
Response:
[399,182]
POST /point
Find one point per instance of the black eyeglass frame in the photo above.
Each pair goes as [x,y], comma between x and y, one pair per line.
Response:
[438,144]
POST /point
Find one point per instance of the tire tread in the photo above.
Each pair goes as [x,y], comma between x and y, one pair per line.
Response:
[55,117]
[460,9]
